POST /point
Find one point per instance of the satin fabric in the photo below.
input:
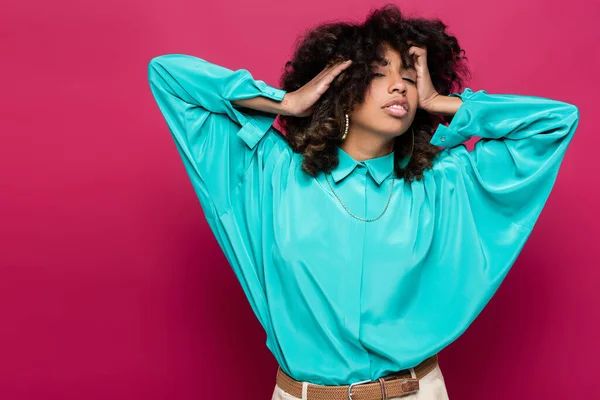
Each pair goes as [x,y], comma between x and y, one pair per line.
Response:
[342,300]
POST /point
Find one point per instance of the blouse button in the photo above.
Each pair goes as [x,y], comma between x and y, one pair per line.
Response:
[443,138]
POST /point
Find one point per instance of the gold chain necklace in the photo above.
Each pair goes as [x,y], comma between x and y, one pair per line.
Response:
[349,212]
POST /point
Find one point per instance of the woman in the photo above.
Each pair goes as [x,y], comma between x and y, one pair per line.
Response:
[363,248]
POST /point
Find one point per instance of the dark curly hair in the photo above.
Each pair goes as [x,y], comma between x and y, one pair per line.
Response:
[317,136]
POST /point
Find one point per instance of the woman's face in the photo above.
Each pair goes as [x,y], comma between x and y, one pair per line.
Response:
[391,82]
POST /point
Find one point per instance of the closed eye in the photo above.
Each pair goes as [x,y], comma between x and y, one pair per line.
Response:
[407,79]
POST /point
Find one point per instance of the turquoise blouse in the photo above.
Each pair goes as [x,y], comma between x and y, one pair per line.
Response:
[342,300]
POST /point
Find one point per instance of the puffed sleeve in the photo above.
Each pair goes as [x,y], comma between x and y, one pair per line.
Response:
[508,176]
[486,201]
[217,141]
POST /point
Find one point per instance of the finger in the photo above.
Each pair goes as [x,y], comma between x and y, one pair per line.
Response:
[334,71]
[411,44]
[416,50]
[336,68]
[340,67]
[325,71]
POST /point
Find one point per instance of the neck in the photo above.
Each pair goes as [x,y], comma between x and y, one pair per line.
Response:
[365,145]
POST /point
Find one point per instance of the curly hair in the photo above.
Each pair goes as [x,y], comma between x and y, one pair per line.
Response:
[317,136]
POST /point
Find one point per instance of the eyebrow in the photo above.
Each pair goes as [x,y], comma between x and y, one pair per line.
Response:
[387,61]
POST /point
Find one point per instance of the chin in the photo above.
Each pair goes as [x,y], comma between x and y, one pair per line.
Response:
[399,131]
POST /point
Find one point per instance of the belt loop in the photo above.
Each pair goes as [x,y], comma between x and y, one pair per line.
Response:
[383,391]
[413,373]
[304,390]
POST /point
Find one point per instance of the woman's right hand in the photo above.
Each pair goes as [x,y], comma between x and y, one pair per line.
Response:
[300,102]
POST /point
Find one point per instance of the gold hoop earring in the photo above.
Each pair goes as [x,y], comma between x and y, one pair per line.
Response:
[346,130]
[405,160]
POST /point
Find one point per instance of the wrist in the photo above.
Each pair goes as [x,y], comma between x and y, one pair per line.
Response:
[444,105]
[287,104]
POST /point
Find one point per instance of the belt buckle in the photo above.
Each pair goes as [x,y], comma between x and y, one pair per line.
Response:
[354,384]
[409,386]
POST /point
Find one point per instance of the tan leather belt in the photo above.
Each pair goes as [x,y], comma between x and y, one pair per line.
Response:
[395,385]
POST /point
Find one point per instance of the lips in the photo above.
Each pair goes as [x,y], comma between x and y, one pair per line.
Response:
[397,107]
[396,111]
[400,101]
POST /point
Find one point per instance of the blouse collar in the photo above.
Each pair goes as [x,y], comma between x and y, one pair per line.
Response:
[379,168]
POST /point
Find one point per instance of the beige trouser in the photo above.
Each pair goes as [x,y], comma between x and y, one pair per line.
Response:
[431,387]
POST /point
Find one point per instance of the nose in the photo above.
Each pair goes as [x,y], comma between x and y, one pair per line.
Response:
[398,85]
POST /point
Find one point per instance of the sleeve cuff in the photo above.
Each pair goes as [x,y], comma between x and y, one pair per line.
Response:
[448,136]
[270,91]
[465,95]
[256,125]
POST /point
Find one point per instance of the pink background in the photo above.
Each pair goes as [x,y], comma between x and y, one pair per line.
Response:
[111,285]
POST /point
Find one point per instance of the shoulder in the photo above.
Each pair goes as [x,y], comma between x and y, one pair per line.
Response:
[274,137]
[452,165]
[450,157]
[273,145]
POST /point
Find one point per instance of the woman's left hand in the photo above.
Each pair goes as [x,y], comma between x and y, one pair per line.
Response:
[426,91]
